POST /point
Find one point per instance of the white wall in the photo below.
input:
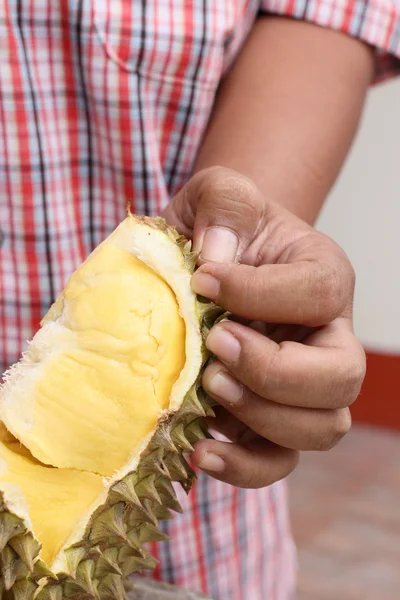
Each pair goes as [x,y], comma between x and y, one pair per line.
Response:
[363,216]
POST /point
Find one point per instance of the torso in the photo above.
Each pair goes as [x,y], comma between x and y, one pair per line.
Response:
[102,102]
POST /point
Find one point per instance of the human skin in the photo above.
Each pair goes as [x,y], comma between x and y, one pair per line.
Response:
[289,366]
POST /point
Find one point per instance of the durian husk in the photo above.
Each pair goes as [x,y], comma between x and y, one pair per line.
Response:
[113,544]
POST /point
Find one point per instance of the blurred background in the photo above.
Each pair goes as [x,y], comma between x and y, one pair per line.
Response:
[346,503]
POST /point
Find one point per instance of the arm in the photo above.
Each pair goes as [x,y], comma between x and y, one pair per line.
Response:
[282,125]
[288,111]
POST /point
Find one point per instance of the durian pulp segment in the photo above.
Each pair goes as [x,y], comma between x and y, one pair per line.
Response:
[117,349]
[54,500]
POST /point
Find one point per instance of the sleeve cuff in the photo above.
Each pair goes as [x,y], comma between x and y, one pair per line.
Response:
[376,22]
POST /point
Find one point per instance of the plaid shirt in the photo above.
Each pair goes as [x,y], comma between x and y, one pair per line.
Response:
[106,100]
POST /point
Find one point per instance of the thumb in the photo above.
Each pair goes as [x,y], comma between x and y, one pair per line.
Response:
[221,210]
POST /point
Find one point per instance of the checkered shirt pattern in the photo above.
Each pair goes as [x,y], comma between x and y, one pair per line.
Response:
[102,101]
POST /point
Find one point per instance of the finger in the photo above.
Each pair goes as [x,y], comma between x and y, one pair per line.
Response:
[256,465]
[279,333]
[226,424]
[276,332]
[221,210]
[289,372]
[307,293]
[289,426]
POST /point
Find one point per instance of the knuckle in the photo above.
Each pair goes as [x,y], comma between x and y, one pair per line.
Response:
[334,283]
[329,294]
[259,376]
[353,378]
[240,193]
[339,426]
[357,375]
[351,276]
[274,375]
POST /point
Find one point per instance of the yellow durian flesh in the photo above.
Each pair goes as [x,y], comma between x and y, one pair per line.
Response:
[118,350]
[56,499]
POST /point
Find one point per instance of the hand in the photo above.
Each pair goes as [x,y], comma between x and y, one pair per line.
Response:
[289,367]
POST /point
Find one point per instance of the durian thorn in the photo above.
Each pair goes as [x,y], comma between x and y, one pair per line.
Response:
[153,461]
[210,413]
[190,259]
[126,490]
[162,513]
[73,591]
[127,552]
[108,562]
[27,549]
[134,541]
[149,533]
[10,526]
[12,567]
[110,554]
[147,489]
[135,563]
[169,503]
[210,314]
[96,550]
[207,402]
[180,470]
[85,577]
[191,406]
[136,515]
[49,592]
[175,467]
[42,570]
[8,577]
[168,494]
[191,476]
[24,590]
[111,588]
[162,439]
[151,561]
[194,431]
[73,557]
[180,439]
[152,508]
[184,244]
[110,523]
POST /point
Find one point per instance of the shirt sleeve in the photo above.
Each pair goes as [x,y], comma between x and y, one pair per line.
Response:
[376,22]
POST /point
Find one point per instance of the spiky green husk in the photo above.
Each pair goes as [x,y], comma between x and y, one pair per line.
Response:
[112,546]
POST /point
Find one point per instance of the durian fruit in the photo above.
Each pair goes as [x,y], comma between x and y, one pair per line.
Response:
[96,418]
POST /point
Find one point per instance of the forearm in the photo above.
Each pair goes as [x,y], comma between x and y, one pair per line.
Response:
[288,111]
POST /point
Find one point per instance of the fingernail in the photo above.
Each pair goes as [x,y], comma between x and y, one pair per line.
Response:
[225,387]
[212,462]
[219,245]
[222,343]
[205,284]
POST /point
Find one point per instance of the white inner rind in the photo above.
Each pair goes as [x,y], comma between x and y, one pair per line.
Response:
[163,256]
